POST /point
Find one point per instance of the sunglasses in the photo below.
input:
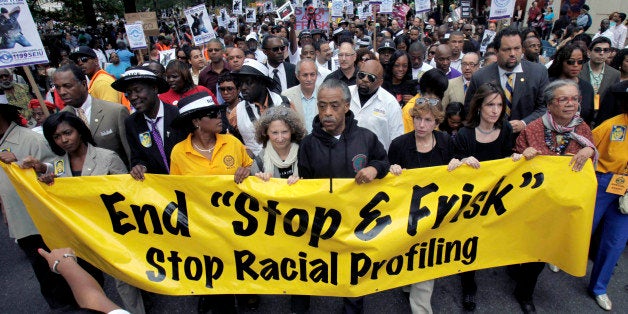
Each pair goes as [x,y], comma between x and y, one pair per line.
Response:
[431,101]
[213,114]
[598,50]
[276,49]
[82,59]
[573,62]
[371,77]
[432,52]
[364,59]
[226,89]
[214,49]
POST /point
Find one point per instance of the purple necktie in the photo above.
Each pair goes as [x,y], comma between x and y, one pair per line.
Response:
[160,143]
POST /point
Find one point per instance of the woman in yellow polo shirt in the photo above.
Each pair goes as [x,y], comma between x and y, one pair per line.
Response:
[205,151]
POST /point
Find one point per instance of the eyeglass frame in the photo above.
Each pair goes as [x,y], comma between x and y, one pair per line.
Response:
[372,78]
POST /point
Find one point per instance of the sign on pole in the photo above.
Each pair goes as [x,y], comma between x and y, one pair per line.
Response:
[19,40]
[421,6]
[250,15]
[135,34]
[502,9]
[237,7]
[148,19]
[199,23]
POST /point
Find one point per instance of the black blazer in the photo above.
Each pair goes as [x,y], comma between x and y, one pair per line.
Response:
[149,156]
[291,76]
[527,98]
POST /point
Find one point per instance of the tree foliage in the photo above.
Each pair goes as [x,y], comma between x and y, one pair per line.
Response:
[74,13]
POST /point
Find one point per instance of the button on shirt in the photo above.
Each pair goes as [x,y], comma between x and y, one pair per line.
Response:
[281,73]
[381,114]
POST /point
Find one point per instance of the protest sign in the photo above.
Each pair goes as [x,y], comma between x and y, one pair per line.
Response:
[165,56]
[422,6]
[19,40]
[487,39]
[148,20]
[199,23]
[184,235]
[502,9]
[337,7]
[321,20]
[250,15]
[237,7]
[135,35]
[386,7]
[285,11]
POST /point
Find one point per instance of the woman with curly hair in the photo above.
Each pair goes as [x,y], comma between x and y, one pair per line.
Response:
[283,130]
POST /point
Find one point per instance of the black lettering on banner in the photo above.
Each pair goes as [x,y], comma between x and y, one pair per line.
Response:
[495,198]
[466,198]
[174,259]
[303,222]
[475,207]
[273,212]
[192,267]
[182,216]
[160,274]
[358,270]
[244,260]
[369,215]
[213,270]
[270,269]
[286,264]
[198,268]
[240,203]
[140,217]
[116,216]
[445,204]
[416,211]
[320,217]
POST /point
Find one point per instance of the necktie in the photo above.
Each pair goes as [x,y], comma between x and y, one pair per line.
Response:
[81,114]
[465,86]
[508,91]
[160,143]
[276,76]
[329,65]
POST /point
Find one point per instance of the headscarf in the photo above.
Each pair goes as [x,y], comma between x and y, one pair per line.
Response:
[549,124]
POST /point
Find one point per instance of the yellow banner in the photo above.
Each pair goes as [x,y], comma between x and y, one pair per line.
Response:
[201,235]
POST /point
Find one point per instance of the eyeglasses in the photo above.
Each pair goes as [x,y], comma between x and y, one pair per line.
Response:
[432,52]
[431,101]
[82,59]
[182,57]
[469,64]
[371,77]
[276,49]
[364,59]
[565,100]
[213,114]
[599,50]
[573,62]
[213,49]
[227,89]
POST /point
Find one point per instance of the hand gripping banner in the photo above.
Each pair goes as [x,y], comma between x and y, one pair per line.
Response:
[202,235]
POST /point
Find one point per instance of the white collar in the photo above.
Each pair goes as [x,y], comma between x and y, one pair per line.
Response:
[160,113]
[517,69]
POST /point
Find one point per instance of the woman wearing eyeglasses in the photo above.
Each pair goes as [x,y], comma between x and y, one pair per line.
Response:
[181,84]
[485,136]
[566,66]
[560,131]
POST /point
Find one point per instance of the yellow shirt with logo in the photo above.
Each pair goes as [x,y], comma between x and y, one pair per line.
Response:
[229,154]
[611,141]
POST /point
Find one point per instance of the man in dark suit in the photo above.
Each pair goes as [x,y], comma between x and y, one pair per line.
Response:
[105,119]
[596,71]
[149,154]
[522,81]
[279,70]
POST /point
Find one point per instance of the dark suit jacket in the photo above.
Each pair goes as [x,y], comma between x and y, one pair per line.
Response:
[611,76]
[149,156]
[527,98]
[107,126]
[291,76]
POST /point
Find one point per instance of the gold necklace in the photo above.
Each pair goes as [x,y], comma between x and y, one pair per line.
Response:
[211,149]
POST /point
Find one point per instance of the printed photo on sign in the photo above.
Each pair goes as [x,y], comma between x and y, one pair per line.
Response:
[237,7]
[232,27]
[19,40]
[366,9]
[386,6]
[487,39]
[223,18]
[250,15]
[268,7]
[200,24]
[312,19]
[285,11]
[337,7]
[135,35]
[166,56]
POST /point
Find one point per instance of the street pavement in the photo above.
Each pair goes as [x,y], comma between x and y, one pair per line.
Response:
[555,292]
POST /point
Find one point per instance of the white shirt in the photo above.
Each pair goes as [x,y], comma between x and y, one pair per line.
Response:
[503,78]
[620,36]
[160,123]
[455,64]
[294,58]
[381,114]
[260,56]
[281,73]
[608,34]
[310,109]
[424,68]
[87,108]
[324,65]
[322,74]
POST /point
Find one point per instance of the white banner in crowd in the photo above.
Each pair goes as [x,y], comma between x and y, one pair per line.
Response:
[366,9]
[421,6]
[386,6]
[135,35]
[199,23]
[250,15]
[19,40]
[502,9]
[487,39]
[232,27]
[237,7]
[165,56]
[223,18]
[337,7]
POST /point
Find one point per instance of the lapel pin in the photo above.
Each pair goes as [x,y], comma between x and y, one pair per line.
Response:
[95,120]
[522,79]
[167,133]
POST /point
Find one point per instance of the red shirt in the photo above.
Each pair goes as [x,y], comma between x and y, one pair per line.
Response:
[172,97]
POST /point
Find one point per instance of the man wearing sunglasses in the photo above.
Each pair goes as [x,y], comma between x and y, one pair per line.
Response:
[596,71]
[375,108]
[279,70]
[99,81]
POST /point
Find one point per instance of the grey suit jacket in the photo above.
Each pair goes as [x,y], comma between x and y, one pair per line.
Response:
[98,161]
[294,94]
[611,76]
[527,98]
[454,92]
[107,126]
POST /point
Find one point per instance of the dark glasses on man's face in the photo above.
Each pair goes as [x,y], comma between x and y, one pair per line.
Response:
[371,77]
[82,59]
[276,49]
[573,62]
[598,50]
[213,114]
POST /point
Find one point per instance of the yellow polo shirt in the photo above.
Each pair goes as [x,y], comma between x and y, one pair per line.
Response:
[611,140]
[408,125]
[229,154]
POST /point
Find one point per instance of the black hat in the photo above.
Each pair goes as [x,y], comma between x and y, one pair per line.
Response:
[143,74]
[82,51]
[255,68]
[193,106]
[305,32]
[387,44]
[586,7]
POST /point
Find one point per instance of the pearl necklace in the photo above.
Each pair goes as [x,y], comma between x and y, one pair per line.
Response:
[211,149]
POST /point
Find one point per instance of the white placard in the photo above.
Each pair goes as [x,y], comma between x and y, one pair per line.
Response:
[232,26]
[199,23]
[236,7]
[285,11]
[223,18]
[349,7]
[488,37]
[366,9]
[268,7]
[166,56]
[250,15]
[386,7]
[20,43]
[337,7]
[502,9]
[421,6]
[135,35]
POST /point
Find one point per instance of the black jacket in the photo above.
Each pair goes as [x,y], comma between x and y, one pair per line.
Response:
[323,156]
[402,151]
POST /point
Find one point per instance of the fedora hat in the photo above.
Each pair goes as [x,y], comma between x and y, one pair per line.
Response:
[140,74]
[257,69]
[195,106]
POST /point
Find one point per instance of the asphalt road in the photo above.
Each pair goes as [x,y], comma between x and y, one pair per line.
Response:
[555,292]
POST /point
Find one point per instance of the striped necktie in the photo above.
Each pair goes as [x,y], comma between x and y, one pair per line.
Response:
[508,91]
[81,114]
